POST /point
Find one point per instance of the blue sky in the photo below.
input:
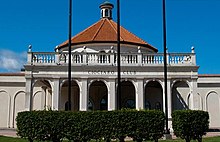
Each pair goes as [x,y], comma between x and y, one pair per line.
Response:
[44,24]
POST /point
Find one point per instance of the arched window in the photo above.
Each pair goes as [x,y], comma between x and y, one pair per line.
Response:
[104,103]
[67,105]
[106,13]
[90,105]
[157,106]
[130,104]
[147,105]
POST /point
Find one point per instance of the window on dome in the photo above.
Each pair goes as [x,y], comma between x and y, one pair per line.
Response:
[106,13]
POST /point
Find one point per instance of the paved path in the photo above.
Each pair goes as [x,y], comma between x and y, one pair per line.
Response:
[11,132]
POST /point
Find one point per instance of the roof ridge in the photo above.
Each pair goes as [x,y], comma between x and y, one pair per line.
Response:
[86,29]
[137,36]
[115,29]
[103,21]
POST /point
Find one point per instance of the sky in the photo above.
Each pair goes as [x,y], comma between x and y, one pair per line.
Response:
[44,25]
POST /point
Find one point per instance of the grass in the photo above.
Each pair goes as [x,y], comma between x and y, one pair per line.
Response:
[11,139]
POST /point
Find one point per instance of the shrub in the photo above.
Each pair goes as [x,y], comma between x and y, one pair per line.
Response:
[190,124]
[84,126]
[27,125]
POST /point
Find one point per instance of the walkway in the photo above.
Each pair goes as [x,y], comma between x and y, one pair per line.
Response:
[11,132]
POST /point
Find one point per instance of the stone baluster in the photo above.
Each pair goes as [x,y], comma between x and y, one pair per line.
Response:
[139,58]
[84,56]
[193,58]
[57,54]
[29,55]
[168,61]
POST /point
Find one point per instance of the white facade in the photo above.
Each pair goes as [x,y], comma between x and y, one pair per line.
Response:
[43,84]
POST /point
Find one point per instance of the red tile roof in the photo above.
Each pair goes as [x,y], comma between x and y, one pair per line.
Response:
[105,31]
[12,74]
[209,75]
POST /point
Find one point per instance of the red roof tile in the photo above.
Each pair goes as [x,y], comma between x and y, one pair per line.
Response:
[104,31]
[12,74]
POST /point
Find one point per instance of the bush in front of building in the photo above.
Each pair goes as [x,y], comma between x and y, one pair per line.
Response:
[27,125]
[190,124]
[84,126]
[41,125]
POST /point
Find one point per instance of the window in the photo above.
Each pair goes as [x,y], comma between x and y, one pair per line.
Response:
[157,106]
[147,105]
[104,103]
[130,104]
[90,105]
[106,13]
[67,105]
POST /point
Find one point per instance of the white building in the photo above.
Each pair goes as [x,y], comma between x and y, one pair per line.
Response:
[44,83]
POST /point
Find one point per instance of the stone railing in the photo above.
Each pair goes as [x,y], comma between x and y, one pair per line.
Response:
[127,59]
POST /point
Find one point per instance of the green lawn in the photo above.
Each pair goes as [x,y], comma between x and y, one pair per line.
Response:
[10,139]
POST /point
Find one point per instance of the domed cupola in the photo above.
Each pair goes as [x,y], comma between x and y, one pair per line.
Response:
[106,10]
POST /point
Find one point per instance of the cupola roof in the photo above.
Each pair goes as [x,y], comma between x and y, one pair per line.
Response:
[105,31]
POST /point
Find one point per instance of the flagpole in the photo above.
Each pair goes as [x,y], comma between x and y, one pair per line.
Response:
[69,65]
[118,55]
[165,67]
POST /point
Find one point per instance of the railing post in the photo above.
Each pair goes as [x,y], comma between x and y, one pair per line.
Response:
[168,61]
[29,55]
[57,59]
[139,58]
[84,61]
[112,56]
[193,56]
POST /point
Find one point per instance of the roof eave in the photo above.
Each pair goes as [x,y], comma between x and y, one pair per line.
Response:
[122,42]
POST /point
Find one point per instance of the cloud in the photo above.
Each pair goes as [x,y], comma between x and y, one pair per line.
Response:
[11,61]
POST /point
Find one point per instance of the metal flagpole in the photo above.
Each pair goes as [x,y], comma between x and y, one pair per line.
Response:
[69,65]
[165,66]
[118,55]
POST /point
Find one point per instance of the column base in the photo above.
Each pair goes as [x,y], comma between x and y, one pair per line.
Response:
[167,137]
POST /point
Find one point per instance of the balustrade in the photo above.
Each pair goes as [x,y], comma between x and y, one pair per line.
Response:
[110,58]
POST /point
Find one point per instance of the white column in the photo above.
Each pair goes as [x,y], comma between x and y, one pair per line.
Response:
[169,102]
[56,94]
[139,94]
[194,96]
[112,105]
[83,101]
[169,99]
[48,98]
[43,97]
[28,94]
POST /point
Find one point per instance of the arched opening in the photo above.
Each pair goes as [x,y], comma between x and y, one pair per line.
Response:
[180,92]
[127,98]
[90,105]
[213,108]
[74,96]
[42,95]
[153,96]
[98,96]
[4,109]
[19,105]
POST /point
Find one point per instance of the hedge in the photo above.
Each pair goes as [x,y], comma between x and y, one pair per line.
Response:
[190,124]
[84,126]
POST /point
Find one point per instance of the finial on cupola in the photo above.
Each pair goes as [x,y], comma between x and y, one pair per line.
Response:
[106,10]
